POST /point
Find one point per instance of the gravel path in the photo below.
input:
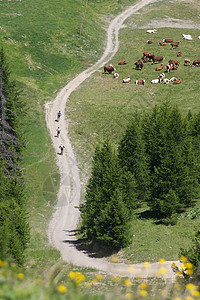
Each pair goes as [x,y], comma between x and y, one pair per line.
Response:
[63,225]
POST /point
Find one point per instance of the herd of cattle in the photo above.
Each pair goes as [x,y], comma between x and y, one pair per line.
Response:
[150,57]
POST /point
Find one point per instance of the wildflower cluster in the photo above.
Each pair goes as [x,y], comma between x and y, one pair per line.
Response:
[184,269]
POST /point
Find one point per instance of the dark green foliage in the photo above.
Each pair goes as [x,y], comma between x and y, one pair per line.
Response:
[109,201]
[133,158]
[14,228]
[173,183]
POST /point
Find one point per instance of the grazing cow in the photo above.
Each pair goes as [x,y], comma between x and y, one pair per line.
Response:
[151,31]
[187,61]
[139,82]
[169,67]
[145,54]
[173,79]
[157,80]
[145,60]
[139,64]
[167,41]
[109,69]
[166,81]
[162,44]
[178,81]
[126,80]
[199,37]
[179,54]
[149,42]
[159,68]
[175,45]
[174,62]
[187,37]
[122,63]
[196,63]
[157,58]
[161,77]
[150,56]
[116,75]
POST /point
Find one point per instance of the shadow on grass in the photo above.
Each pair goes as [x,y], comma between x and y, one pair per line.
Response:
[150,215]
[92,249]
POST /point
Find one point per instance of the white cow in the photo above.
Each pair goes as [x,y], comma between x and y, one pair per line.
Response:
[157,80]
[151,31]
[173,79]
[116,75]
[126,80]
[166,81]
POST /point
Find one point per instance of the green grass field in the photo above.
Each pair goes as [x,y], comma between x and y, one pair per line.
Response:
[44,50]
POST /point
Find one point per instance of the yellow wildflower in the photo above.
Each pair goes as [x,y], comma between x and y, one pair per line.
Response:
[72,275]
[178,298]
[146,264]
[2,263]
[127,282]
[79,278]
[183,259]
[190,286]
[99,277]
[116,278]
[189,265]
[189,298]
[195,293]
[143,285]
[162,271]
[20,276]
[94,281]
[62,288]
[129,295]
[162,261]
[143,293]
[189,272]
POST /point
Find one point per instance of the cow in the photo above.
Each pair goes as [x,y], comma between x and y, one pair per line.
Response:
[151,31]
[169,67]
[166,81]
[150,56]
[159,68]
[173,79]
[149,42]
[178,81]
[122,63]
[175,45]
[145,60]
[157,58]
[167,41]
[179,54]
[187,61]
[162,44]
[174,62]
[116,75]
[161,76]
[139,64]
[126,80]
[196,63]
[199,37]
[139,82]
[157,80]
[109,69]
[145,54]
[187,37]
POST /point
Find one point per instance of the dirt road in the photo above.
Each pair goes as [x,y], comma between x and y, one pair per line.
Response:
[63,225]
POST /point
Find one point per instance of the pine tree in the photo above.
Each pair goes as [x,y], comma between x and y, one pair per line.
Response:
[173,183]
[132,156]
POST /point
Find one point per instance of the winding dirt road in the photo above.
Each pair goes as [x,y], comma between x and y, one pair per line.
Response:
[63,225]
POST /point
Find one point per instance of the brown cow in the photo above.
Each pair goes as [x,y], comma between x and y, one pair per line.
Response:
[174,62]
[149,42]
[179,54]
[158,58]
[145,60]
[139,64]
[159,68]
[109,69]
[175,44]
[177,81]
[122,63]
[140,82]
[167,41]
[146,53]
[196,62]
[163,44]
[150,56]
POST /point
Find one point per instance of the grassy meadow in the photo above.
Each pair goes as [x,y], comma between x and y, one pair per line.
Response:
[45,50]
[103,106]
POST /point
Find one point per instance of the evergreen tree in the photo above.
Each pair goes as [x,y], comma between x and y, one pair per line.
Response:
[132,156]
[108,204]
[172,163]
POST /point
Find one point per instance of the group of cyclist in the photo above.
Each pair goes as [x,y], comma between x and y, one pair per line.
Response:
[58,130]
